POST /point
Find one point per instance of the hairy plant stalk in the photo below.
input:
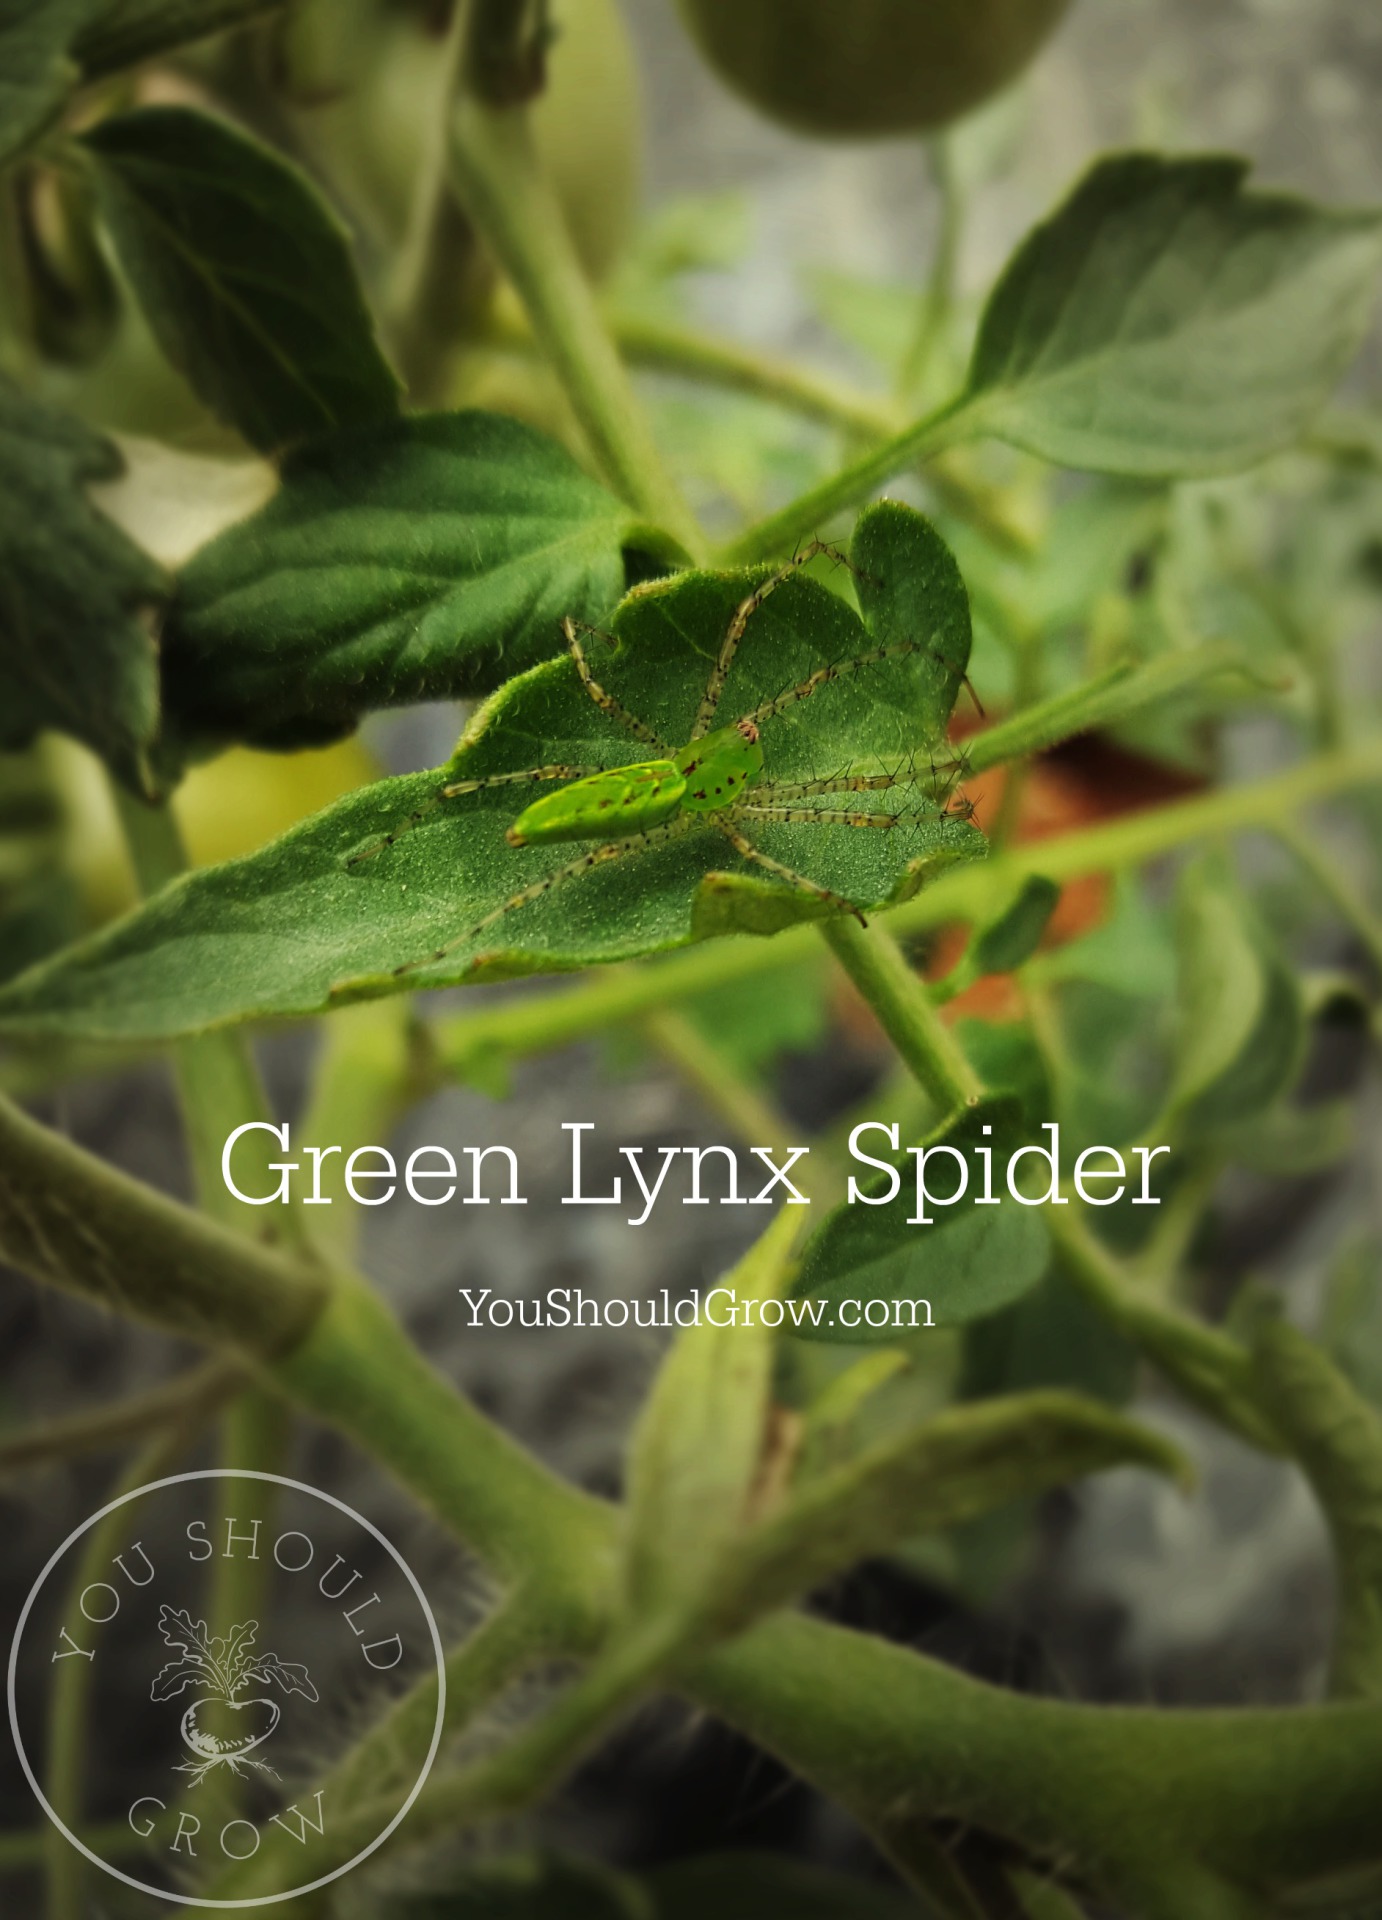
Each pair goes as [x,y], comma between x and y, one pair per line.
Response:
[896,995]
[69,1736]
[133,31]
[112,1425]
[814,510]
[1211,1369]
[500,182]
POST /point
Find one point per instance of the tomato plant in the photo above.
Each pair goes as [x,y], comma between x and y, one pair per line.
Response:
[798,717]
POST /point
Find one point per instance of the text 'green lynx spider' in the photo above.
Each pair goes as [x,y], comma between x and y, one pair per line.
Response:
[740,781]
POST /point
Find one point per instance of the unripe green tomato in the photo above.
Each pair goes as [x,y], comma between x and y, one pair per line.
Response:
[373,116]
[859,68]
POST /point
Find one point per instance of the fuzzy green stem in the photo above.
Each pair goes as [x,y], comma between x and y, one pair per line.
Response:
[218,1085]
[939,295]
[219,1089]
[1336,887]
[501,184]
[23,1849]
[517,1775]
[71,1221]
[470,1046]
[1143,1800]
[137,30]
[814,510]
[1114,695]
[519,1632]
[660,346]
[68,1733]
[113,1425]
[719,1084]
[879,969]
[370,1068]
[1208,1367]
[358,1370]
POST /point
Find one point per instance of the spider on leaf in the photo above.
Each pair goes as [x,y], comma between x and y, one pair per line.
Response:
[720,780]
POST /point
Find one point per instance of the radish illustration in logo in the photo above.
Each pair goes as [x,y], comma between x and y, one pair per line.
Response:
[223,1668]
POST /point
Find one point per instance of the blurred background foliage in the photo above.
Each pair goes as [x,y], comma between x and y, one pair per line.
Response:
[787,299]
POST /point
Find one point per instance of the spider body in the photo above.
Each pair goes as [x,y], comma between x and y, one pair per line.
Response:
[721,782]
[707,776]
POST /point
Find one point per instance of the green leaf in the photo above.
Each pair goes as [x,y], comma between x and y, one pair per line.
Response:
[1351,1326]
[1166,321]
[425,559]
[36,69]
[969,1461]
[1241,1029]
[288,928]
[1015,934]
[1051,1337]
[910,589]
[244,275]
[40,905]
[769,1886]
[754,1021]
[700,1438]
[536,1887]
[76,650]
[1110,698]
[1130,952]
[968,1261]
[1337,1437]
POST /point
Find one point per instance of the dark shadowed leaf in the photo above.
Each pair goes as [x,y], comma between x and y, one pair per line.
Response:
[1051,1337]
[243,272]
[969,1259]
[1337,1438]
[1014,936]
[909,589]
[330,909]
[965,1462]
[1241,1027]
[763,1886]
[425,559]
[539,1886]
[75,653]
[36,72]
[1166,321]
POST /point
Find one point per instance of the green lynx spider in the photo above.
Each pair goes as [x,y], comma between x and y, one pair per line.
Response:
[715,780]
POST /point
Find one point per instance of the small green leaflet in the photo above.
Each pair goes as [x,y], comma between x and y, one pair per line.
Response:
[963,1463]
[244,275]
[970,1261]
[1336,1436]
[76,650]
[37,71]
[1166,321]
[1241,1028]
[275,933]
[422,559]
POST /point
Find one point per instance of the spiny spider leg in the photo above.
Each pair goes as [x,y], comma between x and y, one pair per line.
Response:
[606,702]
[894,650]
[840,783]
[819,816]
[745,611]
[419,814]
[742,844]
[612,850]
[832,816]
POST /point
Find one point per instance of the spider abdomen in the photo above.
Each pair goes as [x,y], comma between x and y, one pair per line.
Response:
[608,805]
